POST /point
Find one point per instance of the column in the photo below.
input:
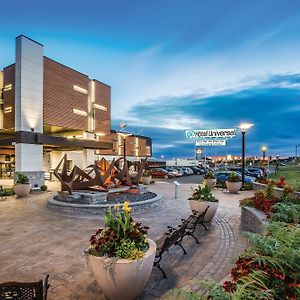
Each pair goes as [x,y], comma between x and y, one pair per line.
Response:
[29,107]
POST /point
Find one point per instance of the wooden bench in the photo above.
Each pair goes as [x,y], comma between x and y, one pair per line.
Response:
[24,290]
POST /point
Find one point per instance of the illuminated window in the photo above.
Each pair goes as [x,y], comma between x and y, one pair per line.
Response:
[100,107]
[79,112]
[7,87]
[7,109]
[80,89]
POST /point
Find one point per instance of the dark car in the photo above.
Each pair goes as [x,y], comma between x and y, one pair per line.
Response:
[223,176]
[196,170]
[160,173]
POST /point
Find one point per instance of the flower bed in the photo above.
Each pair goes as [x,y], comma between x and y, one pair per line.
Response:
[270,268]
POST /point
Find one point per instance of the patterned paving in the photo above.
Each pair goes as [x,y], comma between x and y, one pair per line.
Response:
[36,241]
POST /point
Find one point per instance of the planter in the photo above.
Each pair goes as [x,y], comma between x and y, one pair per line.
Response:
[22,190]
[253,220]
[211,182]
[233,187]
[277,190]
[123,279]
[146,180]
[200,206]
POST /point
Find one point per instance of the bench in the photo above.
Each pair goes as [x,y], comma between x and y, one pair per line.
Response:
[24,290]
[193,221]
[173,237]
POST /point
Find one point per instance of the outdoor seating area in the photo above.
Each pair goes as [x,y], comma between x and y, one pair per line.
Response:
[176,235]
[68,275]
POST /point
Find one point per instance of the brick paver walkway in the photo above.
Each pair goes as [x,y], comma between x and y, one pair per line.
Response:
[36,241]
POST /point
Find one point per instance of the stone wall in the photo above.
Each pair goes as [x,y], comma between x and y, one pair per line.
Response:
[253,220]
[278,191]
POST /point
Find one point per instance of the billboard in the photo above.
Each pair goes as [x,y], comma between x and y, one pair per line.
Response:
[211,142]
[211,133]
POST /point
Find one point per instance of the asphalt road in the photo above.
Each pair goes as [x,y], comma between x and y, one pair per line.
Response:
[183,179]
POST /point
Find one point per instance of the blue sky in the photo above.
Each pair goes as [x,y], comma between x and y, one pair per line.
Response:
[175,65]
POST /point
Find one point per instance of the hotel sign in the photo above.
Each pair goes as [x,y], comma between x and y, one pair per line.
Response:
[211,142]
[211,133]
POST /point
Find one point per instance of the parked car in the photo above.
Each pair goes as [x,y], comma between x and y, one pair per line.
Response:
[188,170]
[257,170]
[181,170]
[173,171]
[223,176]
[254,173]
[197,170]
[160,173]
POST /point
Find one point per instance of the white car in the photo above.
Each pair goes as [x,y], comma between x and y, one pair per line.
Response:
[174,171]
[188,170]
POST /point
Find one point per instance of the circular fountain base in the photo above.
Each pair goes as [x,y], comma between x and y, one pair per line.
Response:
[97,202]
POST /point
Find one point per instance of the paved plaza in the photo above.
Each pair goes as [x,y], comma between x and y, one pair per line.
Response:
[36,241]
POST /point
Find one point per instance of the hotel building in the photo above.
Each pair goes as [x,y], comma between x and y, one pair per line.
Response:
[49,109]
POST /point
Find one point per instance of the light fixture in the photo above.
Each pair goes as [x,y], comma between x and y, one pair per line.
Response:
[245,126]
[80,89]
[79,112]
[100,107]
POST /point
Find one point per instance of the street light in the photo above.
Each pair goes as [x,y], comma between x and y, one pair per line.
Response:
[244,127]
[264,150]
[124,136]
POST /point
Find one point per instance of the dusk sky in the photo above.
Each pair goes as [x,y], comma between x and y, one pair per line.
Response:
[176,65]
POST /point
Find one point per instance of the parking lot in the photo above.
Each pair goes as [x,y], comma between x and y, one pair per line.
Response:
[184,179]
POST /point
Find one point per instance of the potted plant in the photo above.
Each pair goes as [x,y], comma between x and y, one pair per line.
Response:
[22,186]
[146,177]
[233,183]
[120,255]
[210,179]
[201,198]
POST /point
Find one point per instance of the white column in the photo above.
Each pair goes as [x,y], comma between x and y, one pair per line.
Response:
[29,107]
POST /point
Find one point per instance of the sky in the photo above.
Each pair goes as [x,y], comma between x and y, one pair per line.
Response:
[178,64]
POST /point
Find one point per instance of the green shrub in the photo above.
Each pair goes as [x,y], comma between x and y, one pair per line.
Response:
[22,179]
[203,193]
[286,212]
[247,202]
[233,177]
[44,188]
[7,192]
[209,175]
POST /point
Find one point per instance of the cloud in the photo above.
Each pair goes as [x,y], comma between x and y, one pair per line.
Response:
[272,105]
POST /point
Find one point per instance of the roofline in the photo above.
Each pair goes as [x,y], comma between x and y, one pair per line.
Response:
[22,35]
[101,82]
[135,135]
[66,66]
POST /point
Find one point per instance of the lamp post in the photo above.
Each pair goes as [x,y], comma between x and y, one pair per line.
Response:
[124,136]
[264,150]
[244,127]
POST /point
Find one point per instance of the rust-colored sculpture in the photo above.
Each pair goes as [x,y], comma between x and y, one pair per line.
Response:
[101,175]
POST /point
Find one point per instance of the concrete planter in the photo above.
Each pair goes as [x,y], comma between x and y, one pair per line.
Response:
[200,206]
[22,190]
[210,182]
[123,279]
[253,220]
[146,180]
[233,187]
[277,190]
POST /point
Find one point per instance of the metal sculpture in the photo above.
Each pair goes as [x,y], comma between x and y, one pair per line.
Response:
[101,175]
